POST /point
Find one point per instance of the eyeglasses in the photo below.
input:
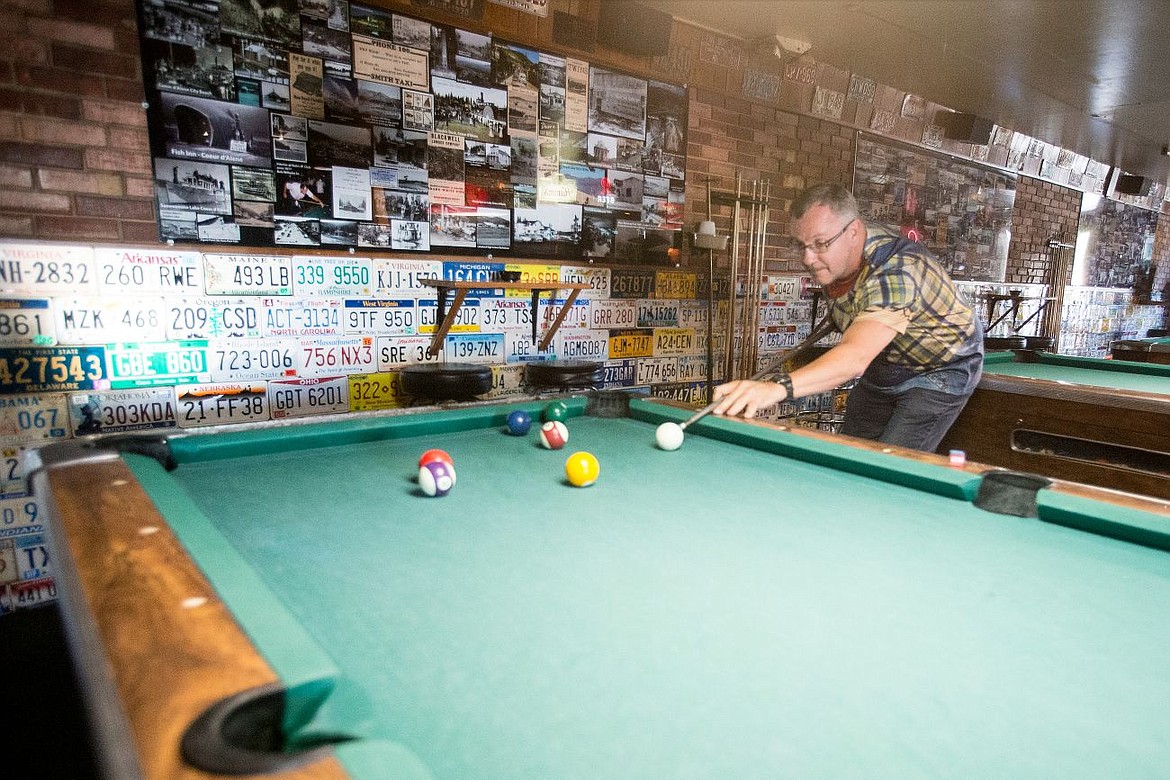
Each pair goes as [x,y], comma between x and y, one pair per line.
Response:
[820,247]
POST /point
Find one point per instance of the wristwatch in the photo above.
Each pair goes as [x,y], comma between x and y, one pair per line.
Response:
[784,379]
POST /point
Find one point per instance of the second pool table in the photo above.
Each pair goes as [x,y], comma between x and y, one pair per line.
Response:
[763,602]
[1103,422]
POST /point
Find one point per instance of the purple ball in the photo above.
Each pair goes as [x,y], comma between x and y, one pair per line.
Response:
[436,478]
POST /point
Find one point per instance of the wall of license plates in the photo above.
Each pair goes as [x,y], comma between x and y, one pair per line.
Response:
[328,124]
[118,339]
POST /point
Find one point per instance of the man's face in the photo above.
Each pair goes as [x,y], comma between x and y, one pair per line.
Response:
[842,255]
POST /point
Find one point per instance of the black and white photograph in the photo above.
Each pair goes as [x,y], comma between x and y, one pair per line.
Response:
[386,148]
[303,192]
[630,152]
[418,110]
[666,117]
[598,229]
[297,231]
[493,228]
[193,23]
[552,104]
[636,243]
[524,153]
[654,212]
[323,41]
[256,184]
[249,214]
[444,49]
[351,193]
[259,59]
[341,99]
[278,21]
[218,228]
[177,226]
[374,234]
[626,189]
[655,187]
[602,149]
[674,166]
[415,236]
[314,9]
[192,186]
[453,226]
[274,95]
[341,232]
[515,66]
[411,32]
[551,230]
[337,16]
[336,144]
[574,147]
[552,70]
[470,111]
[197,128]
[290,128]
[396,204]
[247,91]
[523,110]
[473,58]
[207,71]
[290,151]
[402,148]
[379,104]
[412,179]
[483,155]
[617,104]
[523,195]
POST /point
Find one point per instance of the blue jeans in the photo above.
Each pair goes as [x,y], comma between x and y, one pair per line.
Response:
[916,417]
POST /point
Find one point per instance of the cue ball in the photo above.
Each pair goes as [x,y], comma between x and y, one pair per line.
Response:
[436,478]
[669,436]
[555,411]
[519,422]
[582,469]
[554,434]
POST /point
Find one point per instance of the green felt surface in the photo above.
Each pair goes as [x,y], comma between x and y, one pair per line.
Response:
[712,612]
[1069,369]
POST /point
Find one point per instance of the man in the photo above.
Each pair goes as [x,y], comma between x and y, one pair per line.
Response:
[917,346]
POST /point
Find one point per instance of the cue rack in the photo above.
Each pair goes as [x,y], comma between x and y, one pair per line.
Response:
[753,209]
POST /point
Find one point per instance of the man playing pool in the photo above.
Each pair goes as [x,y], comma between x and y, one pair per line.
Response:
[917,346]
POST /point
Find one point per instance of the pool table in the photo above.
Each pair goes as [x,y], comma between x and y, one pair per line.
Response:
[1099,421]
[1151,350]
[283,601]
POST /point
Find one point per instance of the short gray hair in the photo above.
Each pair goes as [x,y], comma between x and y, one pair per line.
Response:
[835,197]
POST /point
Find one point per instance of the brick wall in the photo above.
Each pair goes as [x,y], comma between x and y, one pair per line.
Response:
[1043,211]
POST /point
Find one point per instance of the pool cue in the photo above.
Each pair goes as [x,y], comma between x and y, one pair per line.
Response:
[819,332]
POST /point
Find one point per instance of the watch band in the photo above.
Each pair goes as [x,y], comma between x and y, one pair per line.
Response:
[786,381]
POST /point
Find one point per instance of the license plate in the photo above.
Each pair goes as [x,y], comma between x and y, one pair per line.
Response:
[657,314]
[520,348]
[221,403]
[692,369]
[506,381]
[397,351]
[47,369]
[31,556]
[692,314]
[38,269]
[619,373]
[102,321]
[596,278]
[400,278]
[576,317]
[587,345]
[375,392]
[657,370]
[474,348]
[781,288]
[466,319]
[248,274]
[26,322]
[302,317]
[675,284]
[28,418]
[342,355]
[626,283]
[120,411]
[151,365]
[208,318]
[607,314]
[12,460]
[33,593]
[500,314]
[380,317]
[122,271]
[631,343]
[308,396]
[20,516]
[332,276]
[673,341]
[246,360]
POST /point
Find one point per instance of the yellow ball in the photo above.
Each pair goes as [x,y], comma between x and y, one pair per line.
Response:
[582,469]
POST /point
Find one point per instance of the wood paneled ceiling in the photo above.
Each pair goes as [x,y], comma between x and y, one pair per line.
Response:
[1091,76]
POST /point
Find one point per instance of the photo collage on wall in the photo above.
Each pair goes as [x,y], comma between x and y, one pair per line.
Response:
[326,123]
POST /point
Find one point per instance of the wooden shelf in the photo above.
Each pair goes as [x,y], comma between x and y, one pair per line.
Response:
[446,317]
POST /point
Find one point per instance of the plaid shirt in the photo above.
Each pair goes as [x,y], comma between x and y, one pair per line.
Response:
[914,294]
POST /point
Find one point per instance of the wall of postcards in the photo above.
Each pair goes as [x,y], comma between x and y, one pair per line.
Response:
[319,123]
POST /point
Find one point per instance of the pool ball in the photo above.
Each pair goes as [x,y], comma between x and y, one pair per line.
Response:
[436,478]
[519,422]
[555,411]
[554,434]
[433,455]
[669,436]
[582,469]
